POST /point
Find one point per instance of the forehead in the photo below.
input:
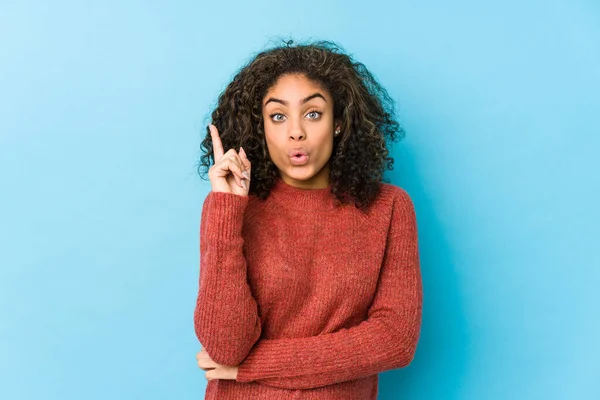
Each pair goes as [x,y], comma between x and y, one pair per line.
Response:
[295,87]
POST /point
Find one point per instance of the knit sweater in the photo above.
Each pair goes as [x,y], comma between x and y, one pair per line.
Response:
[310,300]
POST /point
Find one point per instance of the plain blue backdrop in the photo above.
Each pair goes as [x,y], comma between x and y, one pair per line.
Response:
[102,108]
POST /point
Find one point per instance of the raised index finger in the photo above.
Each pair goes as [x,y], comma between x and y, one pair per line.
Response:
[216,142]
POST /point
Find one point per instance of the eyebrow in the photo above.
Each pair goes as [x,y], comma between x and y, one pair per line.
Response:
[285,103]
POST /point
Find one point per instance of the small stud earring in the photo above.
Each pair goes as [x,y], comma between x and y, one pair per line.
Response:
[337,132]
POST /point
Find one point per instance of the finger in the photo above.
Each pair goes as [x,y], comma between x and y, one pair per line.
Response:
[232,154]
[205,368]
[202,354]
[216,142]
[211,374]
[206,363]
[245,161]
[231,161]
[239,159]
[237,172]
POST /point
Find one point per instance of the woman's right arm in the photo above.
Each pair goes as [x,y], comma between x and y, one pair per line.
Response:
[226,317]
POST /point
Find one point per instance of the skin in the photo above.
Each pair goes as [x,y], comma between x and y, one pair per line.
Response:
[231,172]
[214,370]
[290,121]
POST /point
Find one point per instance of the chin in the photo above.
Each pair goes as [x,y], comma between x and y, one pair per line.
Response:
[301,175]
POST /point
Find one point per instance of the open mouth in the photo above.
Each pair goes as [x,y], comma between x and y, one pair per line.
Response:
[299,159]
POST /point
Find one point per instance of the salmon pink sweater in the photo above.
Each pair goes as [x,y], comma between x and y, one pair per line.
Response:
[310,300]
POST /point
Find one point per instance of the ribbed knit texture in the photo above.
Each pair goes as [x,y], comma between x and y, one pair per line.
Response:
[311,300]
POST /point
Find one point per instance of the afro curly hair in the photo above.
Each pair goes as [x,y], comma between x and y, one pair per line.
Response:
[364,108]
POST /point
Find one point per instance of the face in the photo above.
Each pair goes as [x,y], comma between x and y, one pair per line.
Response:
[298,118]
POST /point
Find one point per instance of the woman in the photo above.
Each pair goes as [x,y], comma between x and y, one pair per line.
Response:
[309,282]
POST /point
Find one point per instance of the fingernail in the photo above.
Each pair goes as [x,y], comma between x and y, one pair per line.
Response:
[245,183]
[246,174]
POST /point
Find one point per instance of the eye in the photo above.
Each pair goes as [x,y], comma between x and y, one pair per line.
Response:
[317,114]
[274,115]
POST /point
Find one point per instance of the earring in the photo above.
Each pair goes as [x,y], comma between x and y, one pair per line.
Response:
[337,132]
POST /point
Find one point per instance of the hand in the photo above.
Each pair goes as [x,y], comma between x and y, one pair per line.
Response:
[214,370]
[231,172]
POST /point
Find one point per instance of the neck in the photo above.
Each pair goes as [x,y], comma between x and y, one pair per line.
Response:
[292,197]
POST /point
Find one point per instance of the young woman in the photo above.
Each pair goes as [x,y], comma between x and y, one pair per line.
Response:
[309,281]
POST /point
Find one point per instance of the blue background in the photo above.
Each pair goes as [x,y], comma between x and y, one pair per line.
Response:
[102,107]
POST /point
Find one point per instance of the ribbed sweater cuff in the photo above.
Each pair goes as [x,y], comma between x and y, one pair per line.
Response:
[225,215]
[249,370]
[267,359]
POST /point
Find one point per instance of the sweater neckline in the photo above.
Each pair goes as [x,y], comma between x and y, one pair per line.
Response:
[302,199]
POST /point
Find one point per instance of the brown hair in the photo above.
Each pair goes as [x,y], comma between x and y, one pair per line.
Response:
[363,106]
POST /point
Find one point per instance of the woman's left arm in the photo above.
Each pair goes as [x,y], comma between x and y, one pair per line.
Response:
[386,340]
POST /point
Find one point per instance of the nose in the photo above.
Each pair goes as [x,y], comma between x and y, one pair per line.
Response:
[297,135]
[296,131]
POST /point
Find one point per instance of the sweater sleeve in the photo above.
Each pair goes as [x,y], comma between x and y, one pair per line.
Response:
[386,340]
[226,318]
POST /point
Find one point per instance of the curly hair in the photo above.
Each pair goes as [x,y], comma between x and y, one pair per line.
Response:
[364,108]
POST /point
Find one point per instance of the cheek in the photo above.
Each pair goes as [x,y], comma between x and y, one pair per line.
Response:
[274,144]
[271,137]
[272,132]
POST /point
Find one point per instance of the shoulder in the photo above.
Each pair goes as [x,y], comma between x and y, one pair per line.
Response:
[403,218]
[391,200]
[396,195]
[399,203]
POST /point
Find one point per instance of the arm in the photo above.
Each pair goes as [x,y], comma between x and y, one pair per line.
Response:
[386,340]
[226,317]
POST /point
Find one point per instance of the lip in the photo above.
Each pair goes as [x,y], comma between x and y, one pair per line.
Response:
[298,156]
[300,160]
[297,151]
